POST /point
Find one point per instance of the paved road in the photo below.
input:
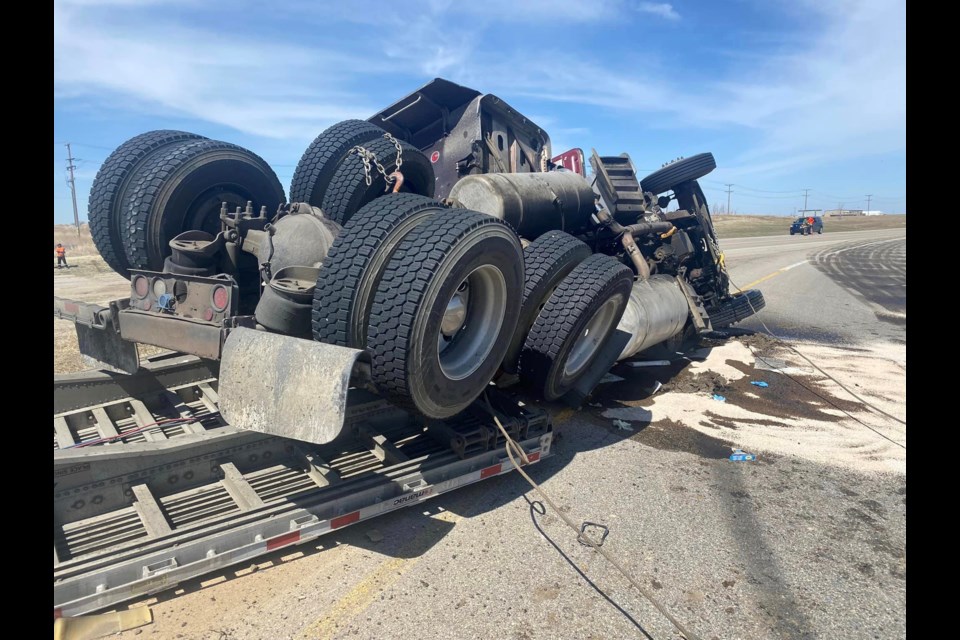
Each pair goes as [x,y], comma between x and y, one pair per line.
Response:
[780,548]
[841,288]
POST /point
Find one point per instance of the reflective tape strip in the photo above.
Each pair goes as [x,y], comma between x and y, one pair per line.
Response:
[283,540]
[490,471]
[344,520]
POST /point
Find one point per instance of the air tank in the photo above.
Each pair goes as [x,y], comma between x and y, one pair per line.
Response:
[533,203]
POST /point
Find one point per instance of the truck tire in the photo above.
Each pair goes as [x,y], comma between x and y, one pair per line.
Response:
[546,261]
[348,191]
[352,270]
[324,155]
[445,311]
[677,172]
[738,307]
[576,322]
[181,187]
[106,193]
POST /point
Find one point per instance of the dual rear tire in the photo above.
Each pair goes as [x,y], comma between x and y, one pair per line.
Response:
[162,183]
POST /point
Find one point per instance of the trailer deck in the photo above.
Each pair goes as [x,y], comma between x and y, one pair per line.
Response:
[152,487]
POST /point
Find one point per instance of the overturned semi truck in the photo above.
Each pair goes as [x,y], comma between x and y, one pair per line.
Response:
[433,261]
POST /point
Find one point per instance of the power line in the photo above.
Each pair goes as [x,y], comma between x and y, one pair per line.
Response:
[73,188]
[729,191]
[868,201]
[805,193]
[794,191]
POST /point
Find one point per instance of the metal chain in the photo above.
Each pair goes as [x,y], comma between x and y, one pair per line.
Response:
[367,156]
[396,143]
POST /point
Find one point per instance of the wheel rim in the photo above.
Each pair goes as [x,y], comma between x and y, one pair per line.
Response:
[591,338]
[471,322]
[455,315]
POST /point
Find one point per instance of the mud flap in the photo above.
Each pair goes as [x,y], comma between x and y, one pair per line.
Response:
[105,349]
[99,341]
[285,386]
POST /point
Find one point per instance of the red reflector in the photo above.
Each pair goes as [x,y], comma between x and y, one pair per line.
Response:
[141,286]
[220,298]
[57,613]
[533,457]
[490,471]
[71,307]
[343,521]
[283,540]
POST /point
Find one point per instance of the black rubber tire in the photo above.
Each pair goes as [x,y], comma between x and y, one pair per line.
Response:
[324,155]
[180,188]
[106,193]
[348,192]
[564,319]
[678,172]
[348,279]
[419,281]
[738,307]
[819,231]
[546,262]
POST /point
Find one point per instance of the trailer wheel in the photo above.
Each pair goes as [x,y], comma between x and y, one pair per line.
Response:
[677,172]
[352,270]
[348,191]
[106,193]
[324,155]
[445,311]
[576,322]
[547,261]
[181,187]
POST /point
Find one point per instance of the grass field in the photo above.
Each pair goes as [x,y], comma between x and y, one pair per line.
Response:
[81,245]
[749,226]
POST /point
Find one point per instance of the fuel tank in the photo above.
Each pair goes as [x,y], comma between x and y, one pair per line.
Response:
[533,203]
[656,311]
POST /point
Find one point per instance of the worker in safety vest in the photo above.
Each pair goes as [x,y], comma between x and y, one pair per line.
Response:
[61,257]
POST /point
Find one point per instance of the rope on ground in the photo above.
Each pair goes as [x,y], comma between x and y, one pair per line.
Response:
[513,447]
[785,343]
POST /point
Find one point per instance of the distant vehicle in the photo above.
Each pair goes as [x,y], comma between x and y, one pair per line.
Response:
[803,225]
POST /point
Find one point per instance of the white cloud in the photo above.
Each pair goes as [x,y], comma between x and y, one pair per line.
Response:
[266,88]
[838,96]
[662,9]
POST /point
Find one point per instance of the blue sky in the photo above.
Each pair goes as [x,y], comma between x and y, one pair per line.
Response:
[787,94]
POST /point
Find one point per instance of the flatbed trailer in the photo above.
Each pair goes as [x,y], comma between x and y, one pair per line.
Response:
[152,487]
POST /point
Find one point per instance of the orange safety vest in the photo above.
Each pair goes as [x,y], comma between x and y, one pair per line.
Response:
[61,252]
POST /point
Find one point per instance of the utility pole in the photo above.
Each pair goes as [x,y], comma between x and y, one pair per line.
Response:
[73,188]
[805,192]
[729,191]
[869,195]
